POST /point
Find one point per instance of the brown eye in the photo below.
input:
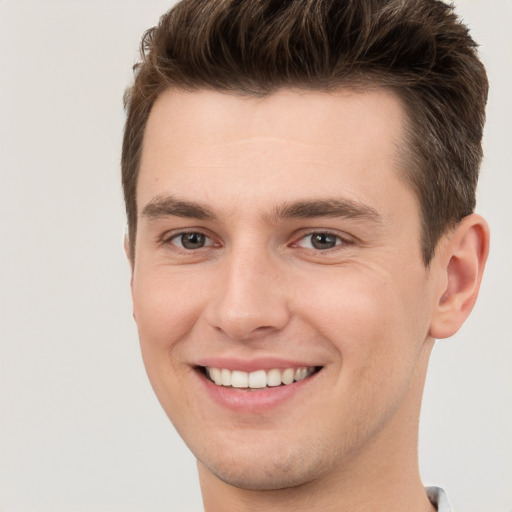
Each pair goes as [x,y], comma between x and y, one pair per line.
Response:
[320,241]
[190,240]
[323,240]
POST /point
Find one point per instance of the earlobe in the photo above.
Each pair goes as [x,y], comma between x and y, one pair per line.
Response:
[462,264]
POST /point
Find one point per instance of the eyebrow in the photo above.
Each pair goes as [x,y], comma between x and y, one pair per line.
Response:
[169,206]
[333,208]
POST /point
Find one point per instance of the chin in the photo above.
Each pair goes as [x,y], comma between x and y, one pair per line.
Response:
[266,470]
[262,478]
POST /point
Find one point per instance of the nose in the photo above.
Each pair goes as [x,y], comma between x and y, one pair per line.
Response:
[248,298]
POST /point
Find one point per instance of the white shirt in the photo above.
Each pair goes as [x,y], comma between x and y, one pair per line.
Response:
[438,498]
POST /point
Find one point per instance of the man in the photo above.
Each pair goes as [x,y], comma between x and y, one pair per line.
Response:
[300,179]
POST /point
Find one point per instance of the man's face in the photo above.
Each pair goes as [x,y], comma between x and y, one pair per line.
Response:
[275,234]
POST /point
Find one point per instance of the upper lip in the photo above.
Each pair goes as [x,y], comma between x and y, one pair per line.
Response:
[253,364]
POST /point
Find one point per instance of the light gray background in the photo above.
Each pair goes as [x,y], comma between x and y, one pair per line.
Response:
[80,428]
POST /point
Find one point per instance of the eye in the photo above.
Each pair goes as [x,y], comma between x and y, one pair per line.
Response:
[192,240]
[320,241]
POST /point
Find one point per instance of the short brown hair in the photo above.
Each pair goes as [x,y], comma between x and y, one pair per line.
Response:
[417,48]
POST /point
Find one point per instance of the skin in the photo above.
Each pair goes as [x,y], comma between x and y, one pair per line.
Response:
[365,310]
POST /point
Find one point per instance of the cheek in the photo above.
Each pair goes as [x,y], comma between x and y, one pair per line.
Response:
[165,309]
[372,318]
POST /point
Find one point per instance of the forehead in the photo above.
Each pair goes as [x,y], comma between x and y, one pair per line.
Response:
[277,147]
[208,118]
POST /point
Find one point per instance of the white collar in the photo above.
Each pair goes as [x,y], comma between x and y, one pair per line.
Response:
[438,498]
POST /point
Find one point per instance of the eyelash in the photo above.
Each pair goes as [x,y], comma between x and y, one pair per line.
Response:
[168,240]
[340,241]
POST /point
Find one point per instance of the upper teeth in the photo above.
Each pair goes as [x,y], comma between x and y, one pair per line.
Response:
[259,378]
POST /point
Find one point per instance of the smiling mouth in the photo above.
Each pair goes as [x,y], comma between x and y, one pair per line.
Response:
[259,379]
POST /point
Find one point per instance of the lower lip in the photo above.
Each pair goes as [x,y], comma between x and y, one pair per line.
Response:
[257,400]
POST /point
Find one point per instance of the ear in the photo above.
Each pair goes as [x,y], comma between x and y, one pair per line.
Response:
[127,250]
[462,260]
